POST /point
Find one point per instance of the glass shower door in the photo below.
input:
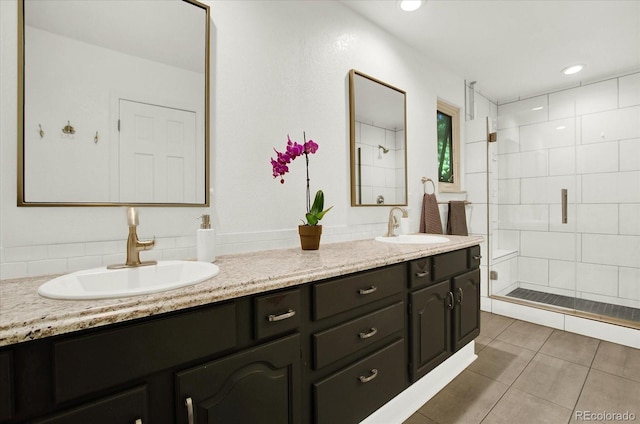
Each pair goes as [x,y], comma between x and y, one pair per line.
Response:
[532,196]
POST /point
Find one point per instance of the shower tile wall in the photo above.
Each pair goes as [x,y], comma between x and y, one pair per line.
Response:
[384,172]
[585,139]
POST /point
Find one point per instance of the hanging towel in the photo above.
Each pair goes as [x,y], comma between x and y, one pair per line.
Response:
[430,217]
[457,221]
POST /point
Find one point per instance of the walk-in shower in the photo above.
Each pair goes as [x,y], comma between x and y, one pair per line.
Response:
[564,201]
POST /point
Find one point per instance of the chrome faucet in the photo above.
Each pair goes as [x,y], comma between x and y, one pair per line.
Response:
[134,246]
[393,221]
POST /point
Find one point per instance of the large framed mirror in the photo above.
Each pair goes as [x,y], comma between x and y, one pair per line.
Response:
[377,114]
[113,103]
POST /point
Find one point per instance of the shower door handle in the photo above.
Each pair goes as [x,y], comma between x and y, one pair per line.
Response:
[563,195]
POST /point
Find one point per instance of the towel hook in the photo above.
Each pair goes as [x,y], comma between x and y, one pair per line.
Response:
[426,180]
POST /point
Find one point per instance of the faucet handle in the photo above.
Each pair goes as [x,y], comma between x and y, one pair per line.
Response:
[132,217]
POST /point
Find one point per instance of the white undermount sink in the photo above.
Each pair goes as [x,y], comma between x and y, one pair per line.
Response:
[413,239]
[102,283]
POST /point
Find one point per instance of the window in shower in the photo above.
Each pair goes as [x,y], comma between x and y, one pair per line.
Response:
[448,133]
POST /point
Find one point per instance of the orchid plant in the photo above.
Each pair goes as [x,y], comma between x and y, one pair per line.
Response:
[280,167]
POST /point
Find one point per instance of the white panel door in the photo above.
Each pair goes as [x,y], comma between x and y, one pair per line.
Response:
[157,154]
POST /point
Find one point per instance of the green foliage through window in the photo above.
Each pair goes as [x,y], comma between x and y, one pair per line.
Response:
[445,147]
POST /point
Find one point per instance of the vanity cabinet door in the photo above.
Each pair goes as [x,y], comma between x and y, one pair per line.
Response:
[430,328]
[466,319]
[124,408]
[259,385]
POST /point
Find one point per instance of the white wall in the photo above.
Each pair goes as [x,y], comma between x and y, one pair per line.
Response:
[585,139]
[278,68]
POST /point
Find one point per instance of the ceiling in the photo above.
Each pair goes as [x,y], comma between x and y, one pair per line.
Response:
[517,48]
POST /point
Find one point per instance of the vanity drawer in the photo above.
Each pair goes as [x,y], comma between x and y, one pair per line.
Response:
[84,364]
[448,264]
[420,272]
[123,408]
[350,292]
[355,392]
[474,257]
[342,340]
[277,313]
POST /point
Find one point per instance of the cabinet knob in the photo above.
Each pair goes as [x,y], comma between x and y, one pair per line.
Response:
[371,333]
[374,374]
[280,317]
[368,290]
[189,404]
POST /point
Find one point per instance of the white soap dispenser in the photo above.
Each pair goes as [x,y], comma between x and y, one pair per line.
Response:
[206,240]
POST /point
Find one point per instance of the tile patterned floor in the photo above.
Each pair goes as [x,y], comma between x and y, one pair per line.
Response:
[526,373]
[600,308]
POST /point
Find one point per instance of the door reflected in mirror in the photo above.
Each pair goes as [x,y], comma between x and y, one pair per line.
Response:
[131,78]
[378,142]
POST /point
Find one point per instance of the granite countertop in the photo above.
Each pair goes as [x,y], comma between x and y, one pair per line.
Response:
[24,315]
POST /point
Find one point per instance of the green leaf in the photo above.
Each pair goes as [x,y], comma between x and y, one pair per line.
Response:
[316,213]
[320,215]
[318,203]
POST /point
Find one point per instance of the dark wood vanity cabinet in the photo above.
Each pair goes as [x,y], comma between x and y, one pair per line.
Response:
[130,407]
[358,346]
[6,385]
[330,351]
[259,385]
[445,312]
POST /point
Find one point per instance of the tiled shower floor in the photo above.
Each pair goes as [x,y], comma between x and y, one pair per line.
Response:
[600,308]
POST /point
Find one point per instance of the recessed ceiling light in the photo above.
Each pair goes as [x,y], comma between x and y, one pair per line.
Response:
[573,69]
[410,5]
[538,108]
[561,127]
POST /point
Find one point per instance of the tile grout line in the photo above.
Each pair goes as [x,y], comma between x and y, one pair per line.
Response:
[584,383]
[523,368]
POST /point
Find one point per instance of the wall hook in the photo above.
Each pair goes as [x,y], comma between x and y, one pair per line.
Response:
[96,138]
[40,131]
[68,129]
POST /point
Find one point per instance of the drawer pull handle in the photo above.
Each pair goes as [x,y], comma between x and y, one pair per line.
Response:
[460,292]
[371,333]
[477,257]
[422,274]
[288,314]
[368,291]
[451,301]
[189,404]
[374,374]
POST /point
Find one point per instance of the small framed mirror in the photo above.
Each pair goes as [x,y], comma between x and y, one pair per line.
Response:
[377,114]
[113,103]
